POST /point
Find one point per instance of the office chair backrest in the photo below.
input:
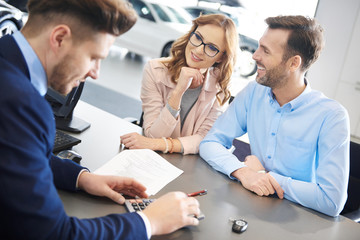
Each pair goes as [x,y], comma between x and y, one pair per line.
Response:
[242,149]
[352,205]
[141,121]
[355,160]
[354,179]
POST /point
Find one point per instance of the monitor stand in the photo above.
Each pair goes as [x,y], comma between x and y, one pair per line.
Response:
[75,125]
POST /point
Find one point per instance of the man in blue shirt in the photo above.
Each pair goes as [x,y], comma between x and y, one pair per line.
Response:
[299,138]
[63,43]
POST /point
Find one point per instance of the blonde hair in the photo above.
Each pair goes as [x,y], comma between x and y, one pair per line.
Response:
[225,67]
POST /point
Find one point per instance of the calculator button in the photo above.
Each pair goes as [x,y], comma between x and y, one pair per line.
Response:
[134,205]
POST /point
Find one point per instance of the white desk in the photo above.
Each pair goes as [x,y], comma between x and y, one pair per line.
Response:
[268,218]
[103,136]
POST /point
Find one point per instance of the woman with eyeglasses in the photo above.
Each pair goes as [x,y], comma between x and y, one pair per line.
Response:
[183,95]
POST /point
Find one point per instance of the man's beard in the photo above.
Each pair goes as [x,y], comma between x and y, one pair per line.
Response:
[60,80]
[273,78]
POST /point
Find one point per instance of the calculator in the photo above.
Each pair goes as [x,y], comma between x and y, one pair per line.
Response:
[139,204]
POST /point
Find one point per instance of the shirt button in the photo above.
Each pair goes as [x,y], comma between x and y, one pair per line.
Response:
[269,157]
[272,134]
[278,111]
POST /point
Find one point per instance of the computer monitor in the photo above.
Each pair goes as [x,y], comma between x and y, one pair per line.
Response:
[63,108]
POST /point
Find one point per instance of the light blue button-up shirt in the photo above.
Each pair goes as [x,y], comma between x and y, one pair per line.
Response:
[37,73]
[304,144]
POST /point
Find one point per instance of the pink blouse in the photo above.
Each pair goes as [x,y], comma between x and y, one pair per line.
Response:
[159,122]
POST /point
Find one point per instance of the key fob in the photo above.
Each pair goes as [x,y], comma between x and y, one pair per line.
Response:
[70,154]
[239,226]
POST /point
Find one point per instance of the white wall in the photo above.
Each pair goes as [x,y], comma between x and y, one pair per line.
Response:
[336,73]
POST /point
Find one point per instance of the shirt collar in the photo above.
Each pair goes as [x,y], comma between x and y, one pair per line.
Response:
[295,103]
[37,73]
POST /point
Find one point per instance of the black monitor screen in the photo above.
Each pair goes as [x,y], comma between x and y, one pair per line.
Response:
[63,108]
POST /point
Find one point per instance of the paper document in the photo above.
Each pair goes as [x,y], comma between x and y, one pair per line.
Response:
[144,165]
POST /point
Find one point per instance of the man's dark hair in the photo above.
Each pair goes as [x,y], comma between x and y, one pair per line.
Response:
[305,39]
[83,16]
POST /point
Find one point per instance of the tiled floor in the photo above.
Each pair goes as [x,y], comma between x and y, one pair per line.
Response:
[118,88]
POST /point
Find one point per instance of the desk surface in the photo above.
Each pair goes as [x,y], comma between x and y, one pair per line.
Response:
[268,218]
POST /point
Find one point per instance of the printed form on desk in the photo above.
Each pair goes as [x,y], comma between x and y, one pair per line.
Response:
[145,166]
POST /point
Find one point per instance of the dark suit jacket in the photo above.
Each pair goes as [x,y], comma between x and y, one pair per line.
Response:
[30,207]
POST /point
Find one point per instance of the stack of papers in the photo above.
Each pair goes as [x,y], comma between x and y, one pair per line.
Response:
[144,165]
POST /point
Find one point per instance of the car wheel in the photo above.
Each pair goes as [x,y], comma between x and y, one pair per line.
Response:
[245,66]
[7,27]
[166,51]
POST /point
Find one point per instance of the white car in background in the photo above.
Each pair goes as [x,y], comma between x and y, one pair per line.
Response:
[157,27]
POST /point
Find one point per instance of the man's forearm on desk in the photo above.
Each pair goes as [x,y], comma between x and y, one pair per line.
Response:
[219,157]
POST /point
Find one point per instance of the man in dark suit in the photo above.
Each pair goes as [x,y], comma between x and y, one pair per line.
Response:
[63,43]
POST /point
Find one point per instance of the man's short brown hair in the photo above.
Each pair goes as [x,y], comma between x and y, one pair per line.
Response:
[305,39]
[83,16]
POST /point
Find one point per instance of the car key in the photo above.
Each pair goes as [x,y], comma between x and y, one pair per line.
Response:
[239,225]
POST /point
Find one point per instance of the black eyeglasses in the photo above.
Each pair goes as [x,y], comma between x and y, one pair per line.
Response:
[197,41]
